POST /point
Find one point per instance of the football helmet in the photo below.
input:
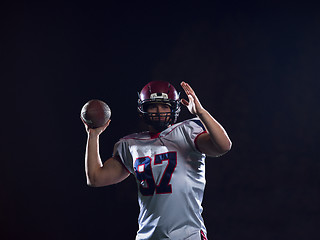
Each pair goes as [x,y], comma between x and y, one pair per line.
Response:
[159,92]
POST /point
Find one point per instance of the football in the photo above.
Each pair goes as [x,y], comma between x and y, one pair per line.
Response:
[95,113]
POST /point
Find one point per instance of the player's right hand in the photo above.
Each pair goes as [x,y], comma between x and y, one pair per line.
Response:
[96,131]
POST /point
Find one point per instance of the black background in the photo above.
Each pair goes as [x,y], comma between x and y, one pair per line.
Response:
[253,64]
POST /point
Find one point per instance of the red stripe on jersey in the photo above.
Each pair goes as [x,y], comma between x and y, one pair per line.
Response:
[195,140]
[203,237]
[154,135]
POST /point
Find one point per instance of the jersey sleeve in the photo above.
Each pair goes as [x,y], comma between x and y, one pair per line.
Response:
[193,128]
[121,150]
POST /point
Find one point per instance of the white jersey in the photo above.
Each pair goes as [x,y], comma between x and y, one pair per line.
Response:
[170,173]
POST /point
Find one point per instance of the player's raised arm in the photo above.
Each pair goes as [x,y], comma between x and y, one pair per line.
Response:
[216,142]
[98,174]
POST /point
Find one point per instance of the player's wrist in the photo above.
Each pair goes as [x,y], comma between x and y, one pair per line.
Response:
[92,134]
[202,112]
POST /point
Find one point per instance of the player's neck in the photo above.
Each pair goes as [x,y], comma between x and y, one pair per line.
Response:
[152,130]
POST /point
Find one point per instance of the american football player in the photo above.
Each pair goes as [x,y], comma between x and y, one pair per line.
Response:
[167,161]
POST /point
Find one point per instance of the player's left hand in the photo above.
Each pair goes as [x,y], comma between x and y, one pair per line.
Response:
[193,104]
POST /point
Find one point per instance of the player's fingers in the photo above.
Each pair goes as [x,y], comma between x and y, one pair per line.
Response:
[99,130]
[104,126]
[83,121]
[183,85]
[187,88]
[191,98]
[184,102]
[85,124]
[190,90]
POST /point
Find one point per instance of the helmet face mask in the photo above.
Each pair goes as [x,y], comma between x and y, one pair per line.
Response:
[159,121]
[163,93]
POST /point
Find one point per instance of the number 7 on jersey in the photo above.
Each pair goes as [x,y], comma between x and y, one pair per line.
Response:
[143,169]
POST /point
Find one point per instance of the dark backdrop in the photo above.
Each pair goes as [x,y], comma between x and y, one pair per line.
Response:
[253,64]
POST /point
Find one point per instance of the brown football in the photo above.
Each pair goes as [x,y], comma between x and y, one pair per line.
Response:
[95,113]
